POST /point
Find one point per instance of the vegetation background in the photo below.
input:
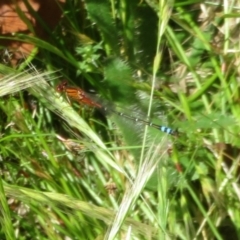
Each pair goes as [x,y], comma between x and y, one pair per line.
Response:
[71,172]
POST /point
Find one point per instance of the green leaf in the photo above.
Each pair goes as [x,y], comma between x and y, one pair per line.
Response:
[118,77]
[99,11]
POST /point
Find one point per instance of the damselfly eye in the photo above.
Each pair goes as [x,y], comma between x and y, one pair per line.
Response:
[62,86]
[59,88]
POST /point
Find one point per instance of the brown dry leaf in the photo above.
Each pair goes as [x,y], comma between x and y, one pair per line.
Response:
[11,22]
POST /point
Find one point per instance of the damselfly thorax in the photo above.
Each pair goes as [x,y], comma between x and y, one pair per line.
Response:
[77,94]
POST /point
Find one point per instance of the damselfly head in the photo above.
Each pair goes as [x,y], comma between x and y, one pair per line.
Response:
[61,87]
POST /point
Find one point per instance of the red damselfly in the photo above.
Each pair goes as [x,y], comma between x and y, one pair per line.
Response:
[77,94]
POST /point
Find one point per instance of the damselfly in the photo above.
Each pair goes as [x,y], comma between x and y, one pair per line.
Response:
[77,94]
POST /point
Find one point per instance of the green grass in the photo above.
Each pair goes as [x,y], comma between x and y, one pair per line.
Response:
[69,171]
